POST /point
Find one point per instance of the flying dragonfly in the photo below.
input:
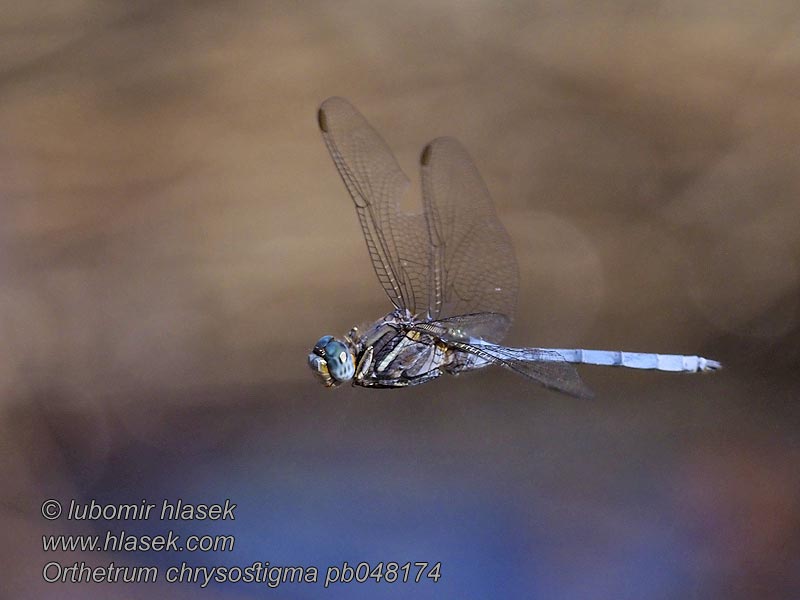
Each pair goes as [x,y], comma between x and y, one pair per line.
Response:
[450,273]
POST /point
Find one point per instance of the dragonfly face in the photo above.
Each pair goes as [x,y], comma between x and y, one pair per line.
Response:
[332,361]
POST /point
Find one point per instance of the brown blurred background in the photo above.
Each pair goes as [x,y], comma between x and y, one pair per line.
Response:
[167,213]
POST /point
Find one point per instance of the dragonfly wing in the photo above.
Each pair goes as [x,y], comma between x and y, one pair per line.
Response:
[485,326]
[398,243]
[543,366]
[473,267]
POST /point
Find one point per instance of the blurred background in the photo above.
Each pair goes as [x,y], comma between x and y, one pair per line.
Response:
[167,217]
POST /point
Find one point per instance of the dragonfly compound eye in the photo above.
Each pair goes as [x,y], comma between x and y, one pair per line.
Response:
[319,347]
[340,361]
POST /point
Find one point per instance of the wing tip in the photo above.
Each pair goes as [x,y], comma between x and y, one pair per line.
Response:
[333,103]
[322,120]
[439,142]
[425,157]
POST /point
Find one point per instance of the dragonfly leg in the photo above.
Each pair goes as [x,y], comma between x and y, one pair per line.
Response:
[398,381]
[364,363]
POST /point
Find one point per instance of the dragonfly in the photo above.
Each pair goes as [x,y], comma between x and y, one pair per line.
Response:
[450,273]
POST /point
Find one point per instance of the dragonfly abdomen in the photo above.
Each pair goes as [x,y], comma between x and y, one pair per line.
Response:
[638,360]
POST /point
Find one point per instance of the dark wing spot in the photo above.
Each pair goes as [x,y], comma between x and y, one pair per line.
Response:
[322,120]
[426,156]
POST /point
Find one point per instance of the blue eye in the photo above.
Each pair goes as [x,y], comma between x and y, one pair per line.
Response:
[340,361]
[331,361]
[319,347]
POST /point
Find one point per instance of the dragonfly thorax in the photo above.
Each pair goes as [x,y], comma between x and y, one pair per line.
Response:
[332,361]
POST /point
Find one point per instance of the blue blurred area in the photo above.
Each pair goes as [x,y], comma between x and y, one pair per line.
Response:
[557,498]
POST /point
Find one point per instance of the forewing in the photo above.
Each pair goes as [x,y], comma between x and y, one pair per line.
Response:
[473,267]
[397,243]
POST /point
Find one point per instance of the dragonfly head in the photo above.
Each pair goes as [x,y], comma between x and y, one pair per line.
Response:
[332,361]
